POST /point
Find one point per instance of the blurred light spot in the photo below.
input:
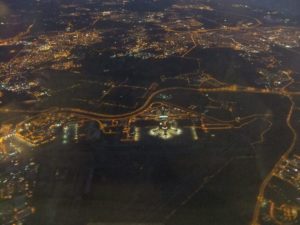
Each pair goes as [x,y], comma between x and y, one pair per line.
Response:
[3,9]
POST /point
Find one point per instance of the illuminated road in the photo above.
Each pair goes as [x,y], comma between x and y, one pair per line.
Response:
[35,55]
[255,219]
[232,88]
[12,40]
[225,89]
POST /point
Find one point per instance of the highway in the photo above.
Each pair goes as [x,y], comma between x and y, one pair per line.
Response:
[224,89]
[231,88]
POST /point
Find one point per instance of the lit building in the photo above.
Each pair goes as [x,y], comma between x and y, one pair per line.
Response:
[166,128]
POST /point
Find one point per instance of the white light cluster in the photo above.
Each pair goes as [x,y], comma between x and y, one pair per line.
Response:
[165,133]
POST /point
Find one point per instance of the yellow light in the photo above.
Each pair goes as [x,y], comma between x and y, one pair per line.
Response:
[194,133]
[136,134]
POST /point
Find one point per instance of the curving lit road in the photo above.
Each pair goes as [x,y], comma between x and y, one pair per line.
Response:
[232,88]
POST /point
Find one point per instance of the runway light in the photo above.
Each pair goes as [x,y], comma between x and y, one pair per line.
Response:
[194,133]
[136,134]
